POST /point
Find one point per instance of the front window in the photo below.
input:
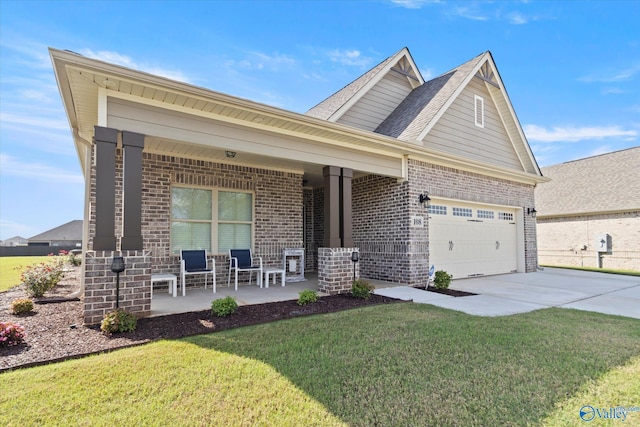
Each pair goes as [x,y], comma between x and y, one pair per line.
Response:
[210,219]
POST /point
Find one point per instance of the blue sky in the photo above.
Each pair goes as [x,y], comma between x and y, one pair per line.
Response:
[571,68]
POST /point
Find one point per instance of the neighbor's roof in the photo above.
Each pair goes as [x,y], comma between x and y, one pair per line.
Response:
[417,110]
[71,231]
[599,184]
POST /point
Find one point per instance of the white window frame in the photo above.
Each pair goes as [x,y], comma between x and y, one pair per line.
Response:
[214,216]
[478,103]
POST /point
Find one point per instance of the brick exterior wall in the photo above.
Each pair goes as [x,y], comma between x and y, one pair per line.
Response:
[394,251]
[100,284]
[570,240]
[278,221]
[441,181]
[335,270]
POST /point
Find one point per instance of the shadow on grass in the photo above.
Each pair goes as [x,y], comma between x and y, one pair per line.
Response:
[407,364]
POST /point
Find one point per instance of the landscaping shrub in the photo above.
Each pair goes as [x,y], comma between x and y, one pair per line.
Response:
[224,307]
[307,297]
[442,279]
[21,306]
[72,257]
[118,321]
[42,277]
[11,334]
[361,289]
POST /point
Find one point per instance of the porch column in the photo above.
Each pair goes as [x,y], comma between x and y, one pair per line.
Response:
[346,211]
[331,206]
[105,141]
[132,145]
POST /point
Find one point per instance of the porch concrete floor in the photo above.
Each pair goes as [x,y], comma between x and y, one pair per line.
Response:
[198,299]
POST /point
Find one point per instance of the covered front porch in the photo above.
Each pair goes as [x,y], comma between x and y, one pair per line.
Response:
[199,298]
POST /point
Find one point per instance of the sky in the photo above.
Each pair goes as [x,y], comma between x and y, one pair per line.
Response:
[571,70]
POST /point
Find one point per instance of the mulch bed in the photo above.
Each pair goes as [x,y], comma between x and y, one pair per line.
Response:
[54,331]
[450,292]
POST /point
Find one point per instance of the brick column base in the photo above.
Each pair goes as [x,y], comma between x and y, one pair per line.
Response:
[335,270]
[100,284]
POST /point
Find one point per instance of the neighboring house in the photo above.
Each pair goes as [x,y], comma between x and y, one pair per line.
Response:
[171,166]
[69,234]
[587,201]
[14,241]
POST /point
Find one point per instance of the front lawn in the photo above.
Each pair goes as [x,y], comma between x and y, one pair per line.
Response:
[10,269]
[395,365]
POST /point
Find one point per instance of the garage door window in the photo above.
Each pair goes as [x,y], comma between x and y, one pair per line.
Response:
[437,210]
[485,214]
[506,216]
[462,212]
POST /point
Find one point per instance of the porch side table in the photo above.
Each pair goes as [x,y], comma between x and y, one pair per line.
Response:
[274,272]
[166,277]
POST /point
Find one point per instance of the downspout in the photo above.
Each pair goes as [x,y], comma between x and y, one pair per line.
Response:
[87,209]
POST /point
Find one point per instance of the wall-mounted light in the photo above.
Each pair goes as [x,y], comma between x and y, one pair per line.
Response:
[424,198]
[230,154]
[532,212]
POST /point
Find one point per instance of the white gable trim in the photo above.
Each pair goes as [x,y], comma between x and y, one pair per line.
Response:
[493,89]
[375,80]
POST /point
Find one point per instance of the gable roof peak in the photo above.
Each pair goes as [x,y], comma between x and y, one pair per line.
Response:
[337,104]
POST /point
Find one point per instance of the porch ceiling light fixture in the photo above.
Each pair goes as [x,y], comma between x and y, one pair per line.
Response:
[532,212]
[230,154]
[424,198]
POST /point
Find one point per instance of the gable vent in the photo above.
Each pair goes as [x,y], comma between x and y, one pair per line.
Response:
[479,110]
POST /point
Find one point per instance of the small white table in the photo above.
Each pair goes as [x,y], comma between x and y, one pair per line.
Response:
[166,277]
[271,270]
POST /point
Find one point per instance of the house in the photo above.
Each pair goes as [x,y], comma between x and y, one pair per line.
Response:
[589,213]
[14,241]
[407,172]
[69,234]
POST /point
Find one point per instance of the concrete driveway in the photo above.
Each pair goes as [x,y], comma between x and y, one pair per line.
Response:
[519,293]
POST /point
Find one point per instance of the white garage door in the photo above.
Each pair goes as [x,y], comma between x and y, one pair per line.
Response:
[469,240]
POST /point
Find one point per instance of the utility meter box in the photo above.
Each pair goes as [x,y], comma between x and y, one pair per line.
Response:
[603,243]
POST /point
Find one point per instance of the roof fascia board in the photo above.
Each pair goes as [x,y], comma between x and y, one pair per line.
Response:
[514,116]
[381,150]
[504,124]
[452,98]
[448,160]
[586,213]
[374,81]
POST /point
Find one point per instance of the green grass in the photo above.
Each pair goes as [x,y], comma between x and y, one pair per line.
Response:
[598,270]
[395,365]
[9,275]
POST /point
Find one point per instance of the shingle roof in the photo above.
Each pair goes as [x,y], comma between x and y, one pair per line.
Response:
[71,231]
[417,110]
[605,183]
[325,109]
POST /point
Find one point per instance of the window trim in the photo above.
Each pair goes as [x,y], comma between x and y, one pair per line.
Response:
[478,101]
[215,222]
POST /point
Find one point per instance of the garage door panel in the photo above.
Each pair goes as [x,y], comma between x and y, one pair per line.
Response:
[479,245]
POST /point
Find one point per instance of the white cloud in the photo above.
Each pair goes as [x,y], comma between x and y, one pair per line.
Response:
[517,18]
[603,149]
[12,166]
[574,134]
[349,57]
[466,12]
[622,75]
[414,4]
[127,61]
[10,229]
